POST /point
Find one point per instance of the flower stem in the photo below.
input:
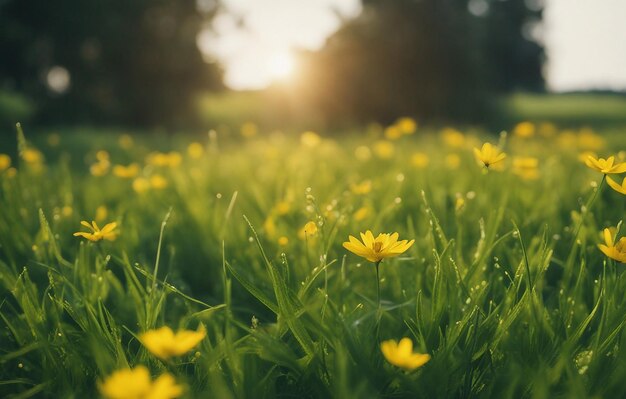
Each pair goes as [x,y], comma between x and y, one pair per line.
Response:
[584,212]
[378,283]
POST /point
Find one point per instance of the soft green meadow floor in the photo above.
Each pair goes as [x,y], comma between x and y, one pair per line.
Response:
[496,287]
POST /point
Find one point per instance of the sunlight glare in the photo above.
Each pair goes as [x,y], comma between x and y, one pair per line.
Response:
[281,66]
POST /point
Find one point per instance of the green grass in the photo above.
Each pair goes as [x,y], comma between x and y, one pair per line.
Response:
[584,109]
[507,292]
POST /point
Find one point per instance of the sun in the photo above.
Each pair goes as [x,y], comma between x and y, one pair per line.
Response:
[280,66]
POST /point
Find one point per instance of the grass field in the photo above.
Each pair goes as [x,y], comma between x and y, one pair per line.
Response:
[239,239]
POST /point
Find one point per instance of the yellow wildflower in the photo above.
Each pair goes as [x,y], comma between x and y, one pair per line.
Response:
[195,150]
[406,125]
[282,208]
[67,211]
[171,159]
[524,129]
[158,182]
[32,156]
[163,343]
[420,160]
[526,167]
[605,166]
[589,140]
[362,188]
[5,162]
[393,132]
[384,149]
[141,185]
[137,384]
[107,233]
[401,354]
[283,241]
[99,168]
[102,156]
[613,251]
[459,204]
[379,248]
[489,155]
[309,230]
[361,213]
[126,172]
[248,130]
[101,213]
[270,226]
[310,139]
[616,186]
[452,137]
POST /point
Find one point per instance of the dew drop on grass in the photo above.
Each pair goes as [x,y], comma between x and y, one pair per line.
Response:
[400,177]
[397,200]
[218,195]
[468,300]
[251,239]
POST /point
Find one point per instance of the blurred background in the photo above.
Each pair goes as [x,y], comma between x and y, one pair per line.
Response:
[315,64]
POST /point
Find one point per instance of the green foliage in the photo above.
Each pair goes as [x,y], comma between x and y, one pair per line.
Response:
[128,62]
[504,287]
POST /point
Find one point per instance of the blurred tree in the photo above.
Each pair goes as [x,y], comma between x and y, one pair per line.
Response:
[425,58]
[108,61]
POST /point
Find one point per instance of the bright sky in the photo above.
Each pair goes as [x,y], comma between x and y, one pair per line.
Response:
[586,44]
[585,40]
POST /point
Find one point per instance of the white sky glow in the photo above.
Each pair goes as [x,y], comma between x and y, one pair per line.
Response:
[585,40]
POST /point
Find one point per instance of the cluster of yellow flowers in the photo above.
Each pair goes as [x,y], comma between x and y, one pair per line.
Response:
[136,383]
[102,164]
[403,126]
[612,249]
[375,249]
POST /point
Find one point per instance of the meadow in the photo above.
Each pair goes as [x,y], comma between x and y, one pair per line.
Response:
[234,239]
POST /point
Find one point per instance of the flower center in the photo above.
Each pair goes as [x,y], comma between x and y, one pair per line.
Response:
[378,246]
